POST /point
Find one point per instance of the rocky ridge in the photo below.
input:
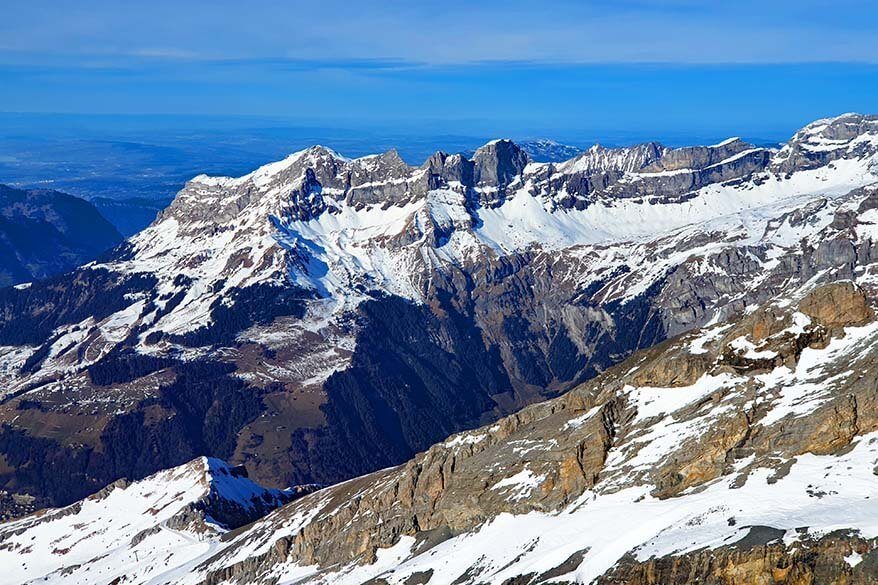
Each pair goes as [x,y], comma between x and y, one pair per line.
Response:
[321,317]
[740,452]
[778,406]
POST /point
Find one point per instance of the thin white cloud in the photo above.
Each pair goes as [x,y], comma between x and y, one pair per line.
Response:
[454,32]
[165,53]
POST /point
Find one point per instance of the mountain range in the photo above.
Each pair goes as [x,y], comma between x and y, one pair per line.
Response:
[700,320]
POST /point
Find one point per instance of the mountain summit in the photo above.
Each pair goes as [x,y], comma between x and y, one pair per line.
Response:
[324,317]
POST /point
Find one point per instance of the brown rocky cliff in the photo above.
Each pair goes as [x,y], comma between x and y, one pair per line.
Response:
[563,445]
[759,559]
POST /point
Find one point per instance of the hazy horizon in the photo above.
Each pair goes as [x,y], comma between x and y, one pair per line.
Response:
[492,68]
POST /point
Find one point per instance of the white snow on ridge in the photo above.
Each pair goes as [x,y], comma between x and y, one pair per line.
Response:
[607,526]
[726,142]
[350,248]
[525,220]
[123,532]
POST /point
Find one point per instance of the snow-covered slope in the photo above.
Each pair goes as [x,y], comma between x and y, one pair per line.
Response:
[757,431]
[333,225]
[146,528]
[323,317]
[736,449]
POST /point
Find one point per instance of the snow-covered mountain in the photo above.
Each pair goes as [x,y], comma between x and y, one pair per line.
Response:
[741,452]
[322,317]
[729,454]
[149,528]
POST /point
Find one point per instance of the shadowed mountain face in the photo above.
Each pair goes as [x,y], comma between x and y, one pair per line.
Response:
[130,215]
[323,317]
[737,453]
[43,233]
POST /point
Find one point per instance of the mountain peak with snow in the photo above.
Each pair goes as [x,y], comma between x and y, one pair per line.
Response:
[745,447]
[160,521]
[337,226]
[270,319]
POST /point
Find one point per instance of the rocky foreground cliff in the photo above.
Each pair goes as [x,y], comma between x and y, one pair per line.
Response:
[743,452]
[322,317]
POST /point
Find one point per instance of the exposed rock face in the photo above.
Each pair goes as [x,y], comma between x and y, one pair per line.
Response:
[752,561]
[651,171]
[496,166]
[730,434]
[837,305]
[629,160]
[321,317]
[742,452]
[43,233]
[825,141]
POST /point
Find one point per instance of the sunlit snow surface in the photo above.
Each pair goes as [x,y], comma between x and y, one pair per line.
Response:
[611,525]
[123,532]
[338,253]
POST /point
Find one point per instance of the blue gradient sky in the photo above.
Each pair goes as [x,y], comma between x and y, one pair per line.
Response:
[550,67]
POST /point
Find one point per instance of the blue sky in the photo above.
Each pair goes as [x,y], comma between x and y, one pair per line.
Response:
[550,67]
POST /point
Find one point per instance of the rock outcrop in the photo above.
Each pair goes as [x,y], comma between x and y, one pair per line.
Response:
[703,446]
[321,318]
[760,558]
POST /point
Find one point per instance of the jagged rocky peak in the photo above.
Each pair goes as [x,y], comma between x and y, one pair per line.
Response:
[839,129]
[629,159]
[849,136]
[309,182]
[382,179]
[283,337]
[284,183]
[379,166]
[448,170]
[652,157]
[497,165]
[328,166]
[700,157]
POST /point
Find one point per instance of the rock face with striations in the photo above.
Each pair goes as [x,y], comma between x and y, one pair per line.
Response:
[825,141]
[495,166]
[782,409]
